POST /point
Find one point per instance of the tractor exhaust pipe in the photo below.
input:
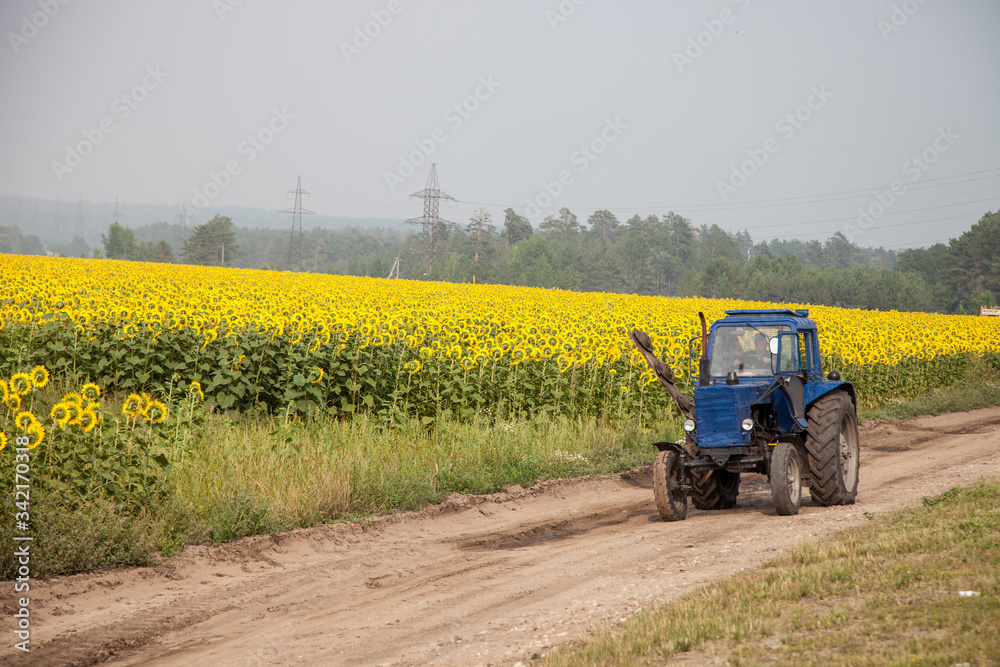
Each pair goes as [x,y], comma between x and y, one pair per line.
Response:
[704,379]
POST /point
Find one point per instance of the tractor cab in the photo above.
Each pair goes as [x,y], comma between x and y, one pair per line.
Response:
[761,344]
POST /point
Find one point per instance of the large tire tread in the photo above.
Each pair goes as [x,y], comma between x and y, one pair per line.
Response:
[714,489]
[786,479]
[822,447]
[670,501]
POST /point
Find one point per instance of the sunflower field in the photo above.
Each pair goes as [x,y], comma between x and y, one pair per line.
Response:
[287,342]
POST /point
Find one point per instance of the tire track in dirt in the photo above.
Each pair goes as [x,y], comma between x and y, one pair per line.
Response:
[476,580]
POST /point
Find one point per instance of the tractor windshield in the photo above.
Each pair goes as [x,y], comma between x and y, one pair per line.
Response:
[744,349]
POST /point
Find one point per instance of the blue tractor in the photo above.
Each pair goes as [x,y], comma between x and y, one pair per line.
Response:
[761,405]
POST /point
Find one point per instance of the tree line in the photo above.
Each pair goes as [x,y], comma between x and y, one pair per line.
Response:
[662,255]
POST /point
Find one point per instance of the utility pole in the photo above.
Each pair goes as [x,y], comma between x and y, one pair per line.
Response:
[295,242]
[395,268]
[429,221]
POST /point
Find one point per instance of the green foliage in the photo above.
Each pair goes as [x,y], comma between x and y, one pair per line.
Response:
[213,243]
[786,279]
[516,228]
[120,243]
[15,243]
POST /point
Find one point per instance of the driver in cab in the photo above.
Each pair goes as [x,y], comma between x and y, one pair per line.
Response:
[760,357]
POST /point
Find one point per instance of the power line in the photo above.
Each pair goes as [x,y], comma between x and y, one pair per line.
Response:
[925,208]
[605,163]
[761,202]
[923,184]
[898,224]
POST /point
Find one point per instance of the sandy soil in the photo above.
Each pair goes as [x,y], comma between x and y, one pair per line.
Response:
[476,580]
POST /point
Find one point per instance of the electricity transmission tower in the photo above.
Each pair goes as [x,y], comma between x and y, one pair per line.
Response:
[114,216]
[430,223]
[295,242]
[78,224]
[183,215]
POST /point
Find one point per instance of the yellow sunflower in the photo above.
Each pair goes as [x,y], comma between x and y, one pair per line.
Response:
[91,391]
[3,440]
[195,389]
[4,391]
[88,420]
[25,419]
[20,383]
[73,411]
[155,411]
[36,434]
[133,405]
[40,376]
[61,414]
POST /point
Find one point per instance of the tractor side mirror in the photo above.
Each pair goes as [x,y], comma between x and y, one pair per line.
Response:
[773,345]
[788,352]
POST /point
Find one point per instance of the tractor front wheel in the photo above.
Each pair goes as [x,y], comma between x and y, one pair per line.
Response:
[833,450]
[671,500]
[786,479]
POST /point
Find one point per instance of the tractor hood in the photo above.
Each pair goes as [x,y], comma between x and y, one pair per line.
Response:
[720,410]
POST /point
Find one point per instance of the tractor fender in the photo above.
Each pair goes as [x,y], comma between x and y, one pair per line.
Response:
[673,446]
[818,389]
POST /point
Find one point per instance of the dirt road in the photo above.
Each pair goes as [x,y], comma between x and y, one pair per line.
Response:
[477,580]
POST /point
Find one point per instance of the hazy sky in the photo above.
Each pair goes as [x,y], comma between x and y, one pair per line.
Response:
[783,117]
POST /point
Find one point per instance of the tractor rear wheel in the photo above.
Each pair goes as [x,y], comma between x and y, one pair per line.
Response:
[671,500]
[714,489]
[786,479]
[833,450]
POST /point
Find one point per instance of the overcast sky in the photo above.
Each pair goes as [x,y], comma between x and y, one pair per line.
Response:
[784,118]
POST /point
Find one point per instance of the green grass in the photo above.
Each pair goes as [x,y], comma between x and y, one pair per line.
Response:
[884,593]
[323,469]
[964,396]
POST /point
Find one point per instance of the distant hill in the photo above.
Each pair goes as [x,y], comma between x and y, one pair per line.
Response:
[55,221]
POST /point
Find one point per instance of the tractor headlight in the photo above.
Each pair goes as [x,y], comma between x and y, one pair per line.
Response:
[747,424]
[689,425]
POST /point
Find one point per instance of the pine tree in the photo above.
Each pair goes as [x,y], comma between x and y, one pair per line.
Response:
[213,243]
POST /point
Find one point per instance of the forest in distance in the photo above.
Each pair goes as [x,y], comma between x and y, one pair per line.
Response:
[654,255]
